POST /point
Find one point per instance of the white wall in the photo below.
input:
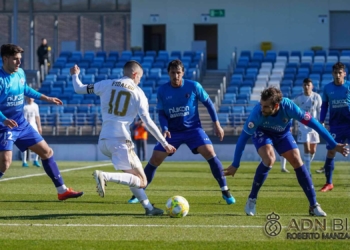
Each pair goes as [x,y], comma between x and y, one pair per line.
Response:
[90,152]
[288,24]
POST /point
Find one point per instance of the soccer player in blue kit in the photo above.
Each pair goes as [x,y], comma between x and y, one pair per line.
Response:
[270,123]
[179,120]
[336,96]
[15,129]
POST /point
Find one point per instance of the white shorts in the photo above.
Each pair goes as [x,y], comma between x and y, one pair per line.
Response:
[121,152]
[307,136]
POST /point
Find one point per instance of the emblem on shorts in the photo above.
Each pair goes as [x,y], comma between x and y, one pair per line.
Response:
[250,125]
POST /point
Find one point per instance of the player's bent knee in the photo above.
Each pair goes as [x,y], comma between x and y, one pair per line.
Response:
[47,153]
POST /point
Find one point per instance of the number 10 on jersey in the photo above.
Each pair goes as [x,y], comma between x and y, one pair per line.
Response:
[120,106]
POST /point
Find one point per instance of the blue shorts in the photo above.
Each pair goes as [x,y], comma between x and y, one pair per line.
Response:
[192,138]
[340,135]
[282,143]
[23,137]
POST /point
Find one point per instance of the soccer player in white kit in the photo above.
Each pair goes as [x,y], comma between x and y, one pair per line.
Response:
[311,102]
[121,101]
[32,115]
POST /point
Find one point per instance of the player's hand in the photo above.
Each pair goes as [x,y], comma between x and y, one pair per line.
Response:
[167,134]
[54,100]
[341,148]
[40,130]
[231,170]
[218,131]
[170,149]
[10,123]
[74,70]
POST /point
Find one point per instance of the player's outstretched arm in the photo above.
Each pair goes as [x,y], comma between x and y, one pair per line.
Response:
[218,131]
[153,129]
[231,170]
[53,100]
[242,141]
[10,123]
[342,148]
[79,87]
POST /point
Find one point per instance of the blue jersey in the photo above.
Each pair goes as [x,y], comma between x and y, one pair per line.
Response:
[180,105]
[338,98]
[278,124]
[13,88]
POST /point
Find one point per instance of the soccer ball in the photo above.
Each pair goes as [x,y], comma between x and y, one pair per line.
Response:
[177,207]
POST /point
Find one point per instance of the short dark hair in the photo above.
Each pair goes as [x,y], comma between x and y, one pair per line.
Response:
[132,64]
[10,49]
[273,94]
[307,80]
[338,66]
[175,64]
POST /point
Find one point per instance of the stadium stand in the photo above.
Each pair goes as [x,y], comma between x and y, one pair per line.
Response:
[80,114]
[249,74]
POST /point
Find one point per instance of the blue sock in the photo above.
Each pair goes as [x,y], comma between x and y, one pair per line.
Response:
[52,171]
[1,174]
[261,174]
[150,171]
[328,169]
[305,182]
[217,171]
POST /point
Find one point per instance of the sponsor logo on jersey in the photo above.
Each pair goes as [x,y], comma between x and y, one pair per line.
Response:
[339,103]
[285,120]
[14,100]
[250,125]
[168,97]
[179,111]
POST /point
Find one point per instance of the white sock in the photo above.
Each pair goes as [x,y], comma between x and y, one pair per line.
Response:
[36,157]
[61,189]
[307,162]
[24,159]
[224,188]
[283,162]
[312,157]
[123,178]
[141,195]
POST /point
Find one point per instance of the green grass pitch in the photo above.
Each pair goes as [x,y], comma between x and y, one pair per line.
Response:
[31,217]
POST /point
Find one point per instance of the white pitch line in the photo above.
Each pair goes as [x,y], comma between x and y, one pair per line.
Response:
[128,225]
[62,171]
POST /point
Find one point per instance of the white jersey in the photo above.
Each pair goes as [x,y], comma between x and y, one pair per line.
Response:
[31,111]
[311,104]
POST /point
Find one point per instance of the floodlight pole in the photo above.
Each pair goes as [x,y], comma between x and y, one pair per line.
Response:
[14,21]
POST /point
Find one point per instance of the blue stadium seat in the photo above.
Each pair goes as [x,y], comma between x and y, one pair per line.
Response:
[102,54]
[101,77]
[224,119]
[65,54]
[92,71]
[52,77]
[245,53]
[151,53]
[83,109]
[59,84]
[295,53]
[114,54]
[70,109]
[44,109]
[283,53]
[57,109]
